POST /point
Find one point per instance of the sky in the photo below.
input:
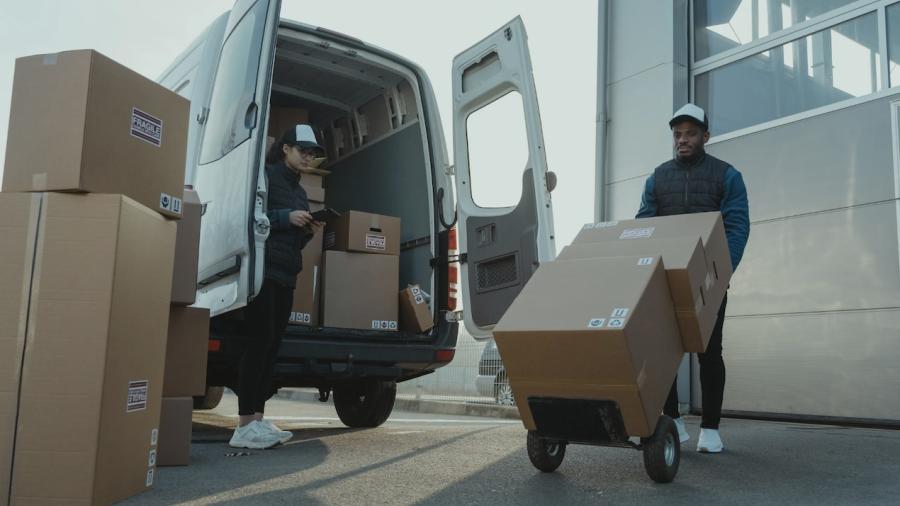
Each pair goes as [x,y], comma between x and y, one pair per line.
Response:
[147,36]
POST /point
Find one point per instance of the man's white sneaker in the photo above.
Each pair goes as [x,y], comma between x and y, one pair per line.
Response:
[255,436]
[683,435]
[709,442]
[283,435]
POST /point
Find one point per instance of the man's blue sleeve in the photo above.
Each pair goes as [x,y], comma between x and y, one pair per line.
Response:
[736,215]
[279,219]
[648,200]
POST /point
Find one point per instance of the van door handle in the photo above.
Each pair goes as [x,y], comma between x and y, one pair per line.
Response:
[204,113]
[250,117]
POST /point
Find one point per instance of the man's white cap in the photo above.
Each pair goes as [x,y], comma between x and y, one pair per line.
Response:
[690,112]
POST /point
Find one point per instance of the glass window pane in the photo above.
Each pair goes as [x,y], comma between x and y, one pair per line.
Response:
[498,152]
[893,37]
[828,66]
[235,86]
[720,25]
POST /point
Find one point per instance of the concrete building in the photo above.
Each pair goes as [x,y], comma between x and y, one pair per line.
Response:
[803,98]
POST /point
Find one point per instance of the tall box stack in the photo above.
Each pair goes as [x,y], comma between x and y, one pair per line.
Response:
[361,272]
[307,293]
[87,277]
[98,303]
[569,336]
[694,250]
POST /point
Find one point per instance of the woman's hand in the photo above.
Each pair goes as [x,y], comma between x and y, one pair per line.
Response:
[301,218]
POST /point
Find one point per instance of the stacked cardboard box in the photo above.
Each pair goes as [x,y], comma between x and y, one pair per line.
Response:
[361,272]
[87,277]
[415,316]
[305,310]
[569,336]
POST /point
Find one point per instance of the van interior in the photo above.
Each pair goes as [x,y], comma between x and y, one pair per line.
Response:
[365,111]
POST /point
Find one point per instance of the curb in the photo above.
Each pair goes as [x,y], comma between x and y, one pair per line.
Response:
[424,406]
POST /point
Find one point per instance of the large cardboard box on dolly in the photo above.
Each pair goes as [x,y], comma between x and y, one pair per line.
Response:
[187,251]
[81,122]
[415,316]
[359,291]
[685,265]
[20,213]
[175,431]
[589,342]
[364,233]
[186,351]
[95,349]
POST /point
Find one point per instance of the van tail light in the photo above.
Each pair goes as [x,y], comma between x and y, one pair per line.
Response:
[444,356]
[214,345]
[452,272]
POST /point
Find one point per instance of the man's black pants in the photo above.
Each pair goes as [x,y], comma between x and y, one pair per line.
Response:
[266,317]
[712,378]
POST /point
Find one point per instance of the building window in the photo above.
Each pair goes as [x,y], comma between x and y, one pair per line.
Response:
[825,67]
[893,37]
[720,25]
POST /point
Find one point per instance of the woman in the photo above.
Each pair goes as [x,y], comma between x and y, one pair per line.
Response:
[267,315]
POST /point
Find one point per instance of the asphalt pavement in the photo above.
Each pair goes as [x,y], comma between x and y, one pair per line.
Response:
[420,458]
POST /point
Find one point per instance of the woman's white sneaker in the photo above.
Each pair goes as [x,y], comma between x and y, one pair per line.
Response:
[709,442]
[283,435]
[683,435]
[255,436]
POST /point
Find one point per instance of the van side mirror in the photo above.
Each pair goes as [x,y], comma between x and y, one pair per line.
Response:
[551,180]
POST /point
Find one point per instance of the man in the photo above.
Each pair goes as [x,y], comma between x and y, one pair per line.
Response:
[695,182]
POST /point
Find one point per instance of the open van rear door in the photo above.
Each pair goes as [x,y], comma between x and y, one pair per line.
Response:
[229,178]
[500,246]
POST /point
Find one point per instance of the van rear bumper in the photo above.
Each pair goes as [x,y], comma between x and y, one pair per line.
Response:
[323,358]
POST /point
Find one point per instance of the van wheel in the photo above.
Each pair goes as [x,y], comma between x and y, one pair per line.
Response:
[366,403]
[545,454]
[210,400]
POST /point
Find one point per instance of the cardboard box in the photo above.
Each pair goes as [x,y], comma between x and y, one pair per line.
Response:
[708,226]
[310,180]
[307,293]
[569,336]
[359,291]
[96,338]
[20,213]
[187,251]
[186,351]
[175,426]
[282,118]
[685,264]
[364,233]
[313,193]
[415,315]
[81,122]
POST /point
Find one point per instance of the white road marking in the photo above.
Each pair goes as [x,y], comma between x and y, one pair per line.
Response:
[396,420]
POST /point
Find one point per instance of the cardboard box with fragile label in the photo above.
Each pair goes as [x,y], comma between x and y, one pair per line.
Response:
[174,448]
[415,316]
[364,232]
[187,251]
[589,342]
[82,122]
[96,339]
[186,351]
[686,269]
[359,291]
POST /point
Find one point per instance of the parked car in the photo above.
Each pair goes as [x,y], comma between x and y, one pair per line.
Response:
[491,380]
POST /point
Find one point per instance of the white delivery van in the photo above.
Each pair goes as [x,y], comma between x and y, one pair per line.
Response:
[378,119]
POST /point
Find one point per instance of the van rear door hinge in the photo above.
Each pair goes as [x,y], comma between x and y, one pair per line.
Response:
[451,259]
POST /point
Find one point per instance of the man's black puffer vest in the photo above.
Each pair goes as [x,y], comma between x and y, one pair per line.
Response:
[694,187]
[283,246]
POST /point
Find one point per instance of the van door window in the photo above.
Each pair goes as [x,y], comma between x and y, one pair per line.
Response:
[498,152]
[228,124]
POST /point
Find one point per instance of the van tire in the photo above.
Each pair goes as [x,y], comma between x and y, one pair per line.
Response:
[365,403]
[210,400]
